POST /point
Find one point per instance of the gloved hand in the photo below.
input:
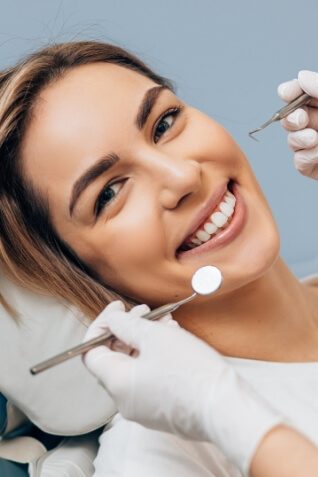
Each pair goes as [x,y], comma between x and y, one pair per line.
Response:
[179,384]
[302,124]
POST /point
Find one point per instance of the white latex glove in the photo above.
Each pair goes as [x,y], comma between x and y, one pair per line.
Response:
[178,384]
[302,124]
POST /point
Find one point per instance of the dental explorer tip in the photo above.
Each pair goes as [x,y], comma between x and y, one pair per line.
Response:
[253,132]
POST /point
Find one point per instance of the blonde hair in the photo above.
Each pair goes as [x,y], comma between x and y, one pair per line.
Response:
[31,252]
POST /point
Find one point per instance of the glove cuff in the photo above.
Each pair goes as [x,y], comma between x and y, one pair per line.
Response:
[237,418]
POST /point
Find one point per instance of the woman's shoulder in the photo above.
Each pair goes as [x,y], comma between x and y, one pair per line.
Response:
[129,449]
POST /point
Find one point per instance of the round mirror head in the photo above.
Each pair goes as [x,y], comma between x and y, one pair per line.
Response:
[206,280]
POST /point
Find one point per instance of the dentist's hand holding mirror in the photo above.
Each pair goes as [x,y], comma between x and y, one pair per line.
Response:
[175,382]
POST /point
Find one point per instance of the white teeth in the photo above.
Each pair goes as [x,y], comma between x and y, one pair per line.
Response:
[230,199]
[202,235]
[226,209]
[196,241]
[210,228]
[219,219]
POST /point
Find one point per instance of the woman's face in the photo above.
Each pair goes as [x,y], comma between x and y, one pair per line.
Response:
[125,196]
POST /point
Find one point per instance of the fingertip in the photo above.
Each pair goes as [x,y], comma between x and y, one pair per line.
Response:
[115,305]
[306,162]
[302,139]
[166,318]
[308,81]
[174,323]
[296,120]
[139,310]
[289,90]
[284,124]
[301,73]
[111,309]
[300,163]
[126,327]
[307,75]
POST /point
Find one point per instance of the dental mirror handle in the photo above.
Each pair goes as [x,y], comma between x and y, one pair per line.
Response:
[84,347]
[205,281]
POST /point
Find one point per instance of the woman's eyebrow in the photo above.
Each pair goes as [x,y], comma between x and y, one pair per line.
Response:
[106,162]
[90,175]
[147,104]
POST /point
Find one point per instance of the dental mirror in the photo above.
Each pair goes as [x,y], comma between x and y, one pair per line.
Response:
[205,281]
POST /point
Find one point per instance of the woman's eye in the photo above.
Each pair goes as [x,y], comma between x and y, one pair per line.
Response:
[108,194]
[165,123]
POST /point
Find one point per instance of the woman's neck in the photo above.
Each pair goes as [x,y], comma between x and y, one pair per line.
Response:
[274,318]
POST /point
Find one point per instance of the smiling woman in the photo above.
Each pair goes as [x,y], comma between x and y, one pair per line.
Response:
[112,187]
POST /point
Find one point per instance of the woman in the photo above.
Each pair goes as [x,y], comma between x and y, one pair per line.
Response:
[90,132]
[201,406]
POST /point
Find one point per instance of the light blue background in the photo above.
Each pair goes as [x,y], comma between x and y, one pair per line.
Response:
[227,58]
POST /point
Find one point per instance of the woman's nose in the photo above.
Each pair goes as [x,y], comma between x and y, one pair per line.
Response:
[177,180]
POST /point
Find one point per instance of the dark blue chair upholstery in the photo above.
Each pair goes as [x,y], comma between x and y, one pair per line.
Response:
[3,413]
[12,469]
[8,468]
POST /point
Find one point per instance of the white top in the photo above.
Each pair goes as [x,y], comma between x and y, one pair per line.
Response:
[130,450]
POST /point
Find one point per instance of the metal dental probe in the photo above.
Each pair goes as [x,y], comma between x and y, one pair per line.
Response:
[205,280]
[301,100]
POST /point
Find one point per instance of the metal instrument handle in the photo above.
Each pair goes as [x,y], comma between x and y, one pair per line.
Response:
[101,339]
[293,105]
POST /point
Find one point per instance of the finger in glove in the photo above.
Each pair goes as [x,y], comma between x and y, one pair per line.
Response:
[306,162]
[289,90]
[303,139]
[308,81]
[298,119]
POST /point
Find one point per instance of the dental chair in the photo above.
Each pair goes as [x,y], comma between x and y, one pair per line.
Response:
[9,468]
[49,423]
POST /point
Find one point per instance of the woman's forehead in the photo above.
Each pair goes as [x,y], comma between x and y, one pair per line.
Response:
[106,76]
[84,111]
[88,87]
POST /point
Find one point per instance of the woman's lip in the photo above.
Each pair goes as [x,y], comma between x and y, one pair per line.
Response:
[206,210]
[227,235]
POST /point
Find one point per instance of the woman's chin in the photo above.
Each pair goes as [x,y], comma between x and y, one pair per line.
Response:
[254,257]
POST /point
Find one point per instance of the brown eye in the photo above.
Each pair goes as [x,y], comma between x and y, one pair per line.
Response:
[165,123]
[108,194]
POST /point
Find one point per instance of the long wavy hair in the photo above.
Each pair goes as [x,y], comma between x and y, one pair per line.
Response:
[31,252]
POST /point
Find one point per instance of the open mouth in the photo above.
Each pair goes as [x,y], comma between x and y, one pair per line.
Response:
[214,223]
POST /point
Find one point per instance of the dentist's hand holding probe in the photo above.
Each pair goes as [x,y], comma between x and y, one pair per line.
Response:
[177,383]
[302,124]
